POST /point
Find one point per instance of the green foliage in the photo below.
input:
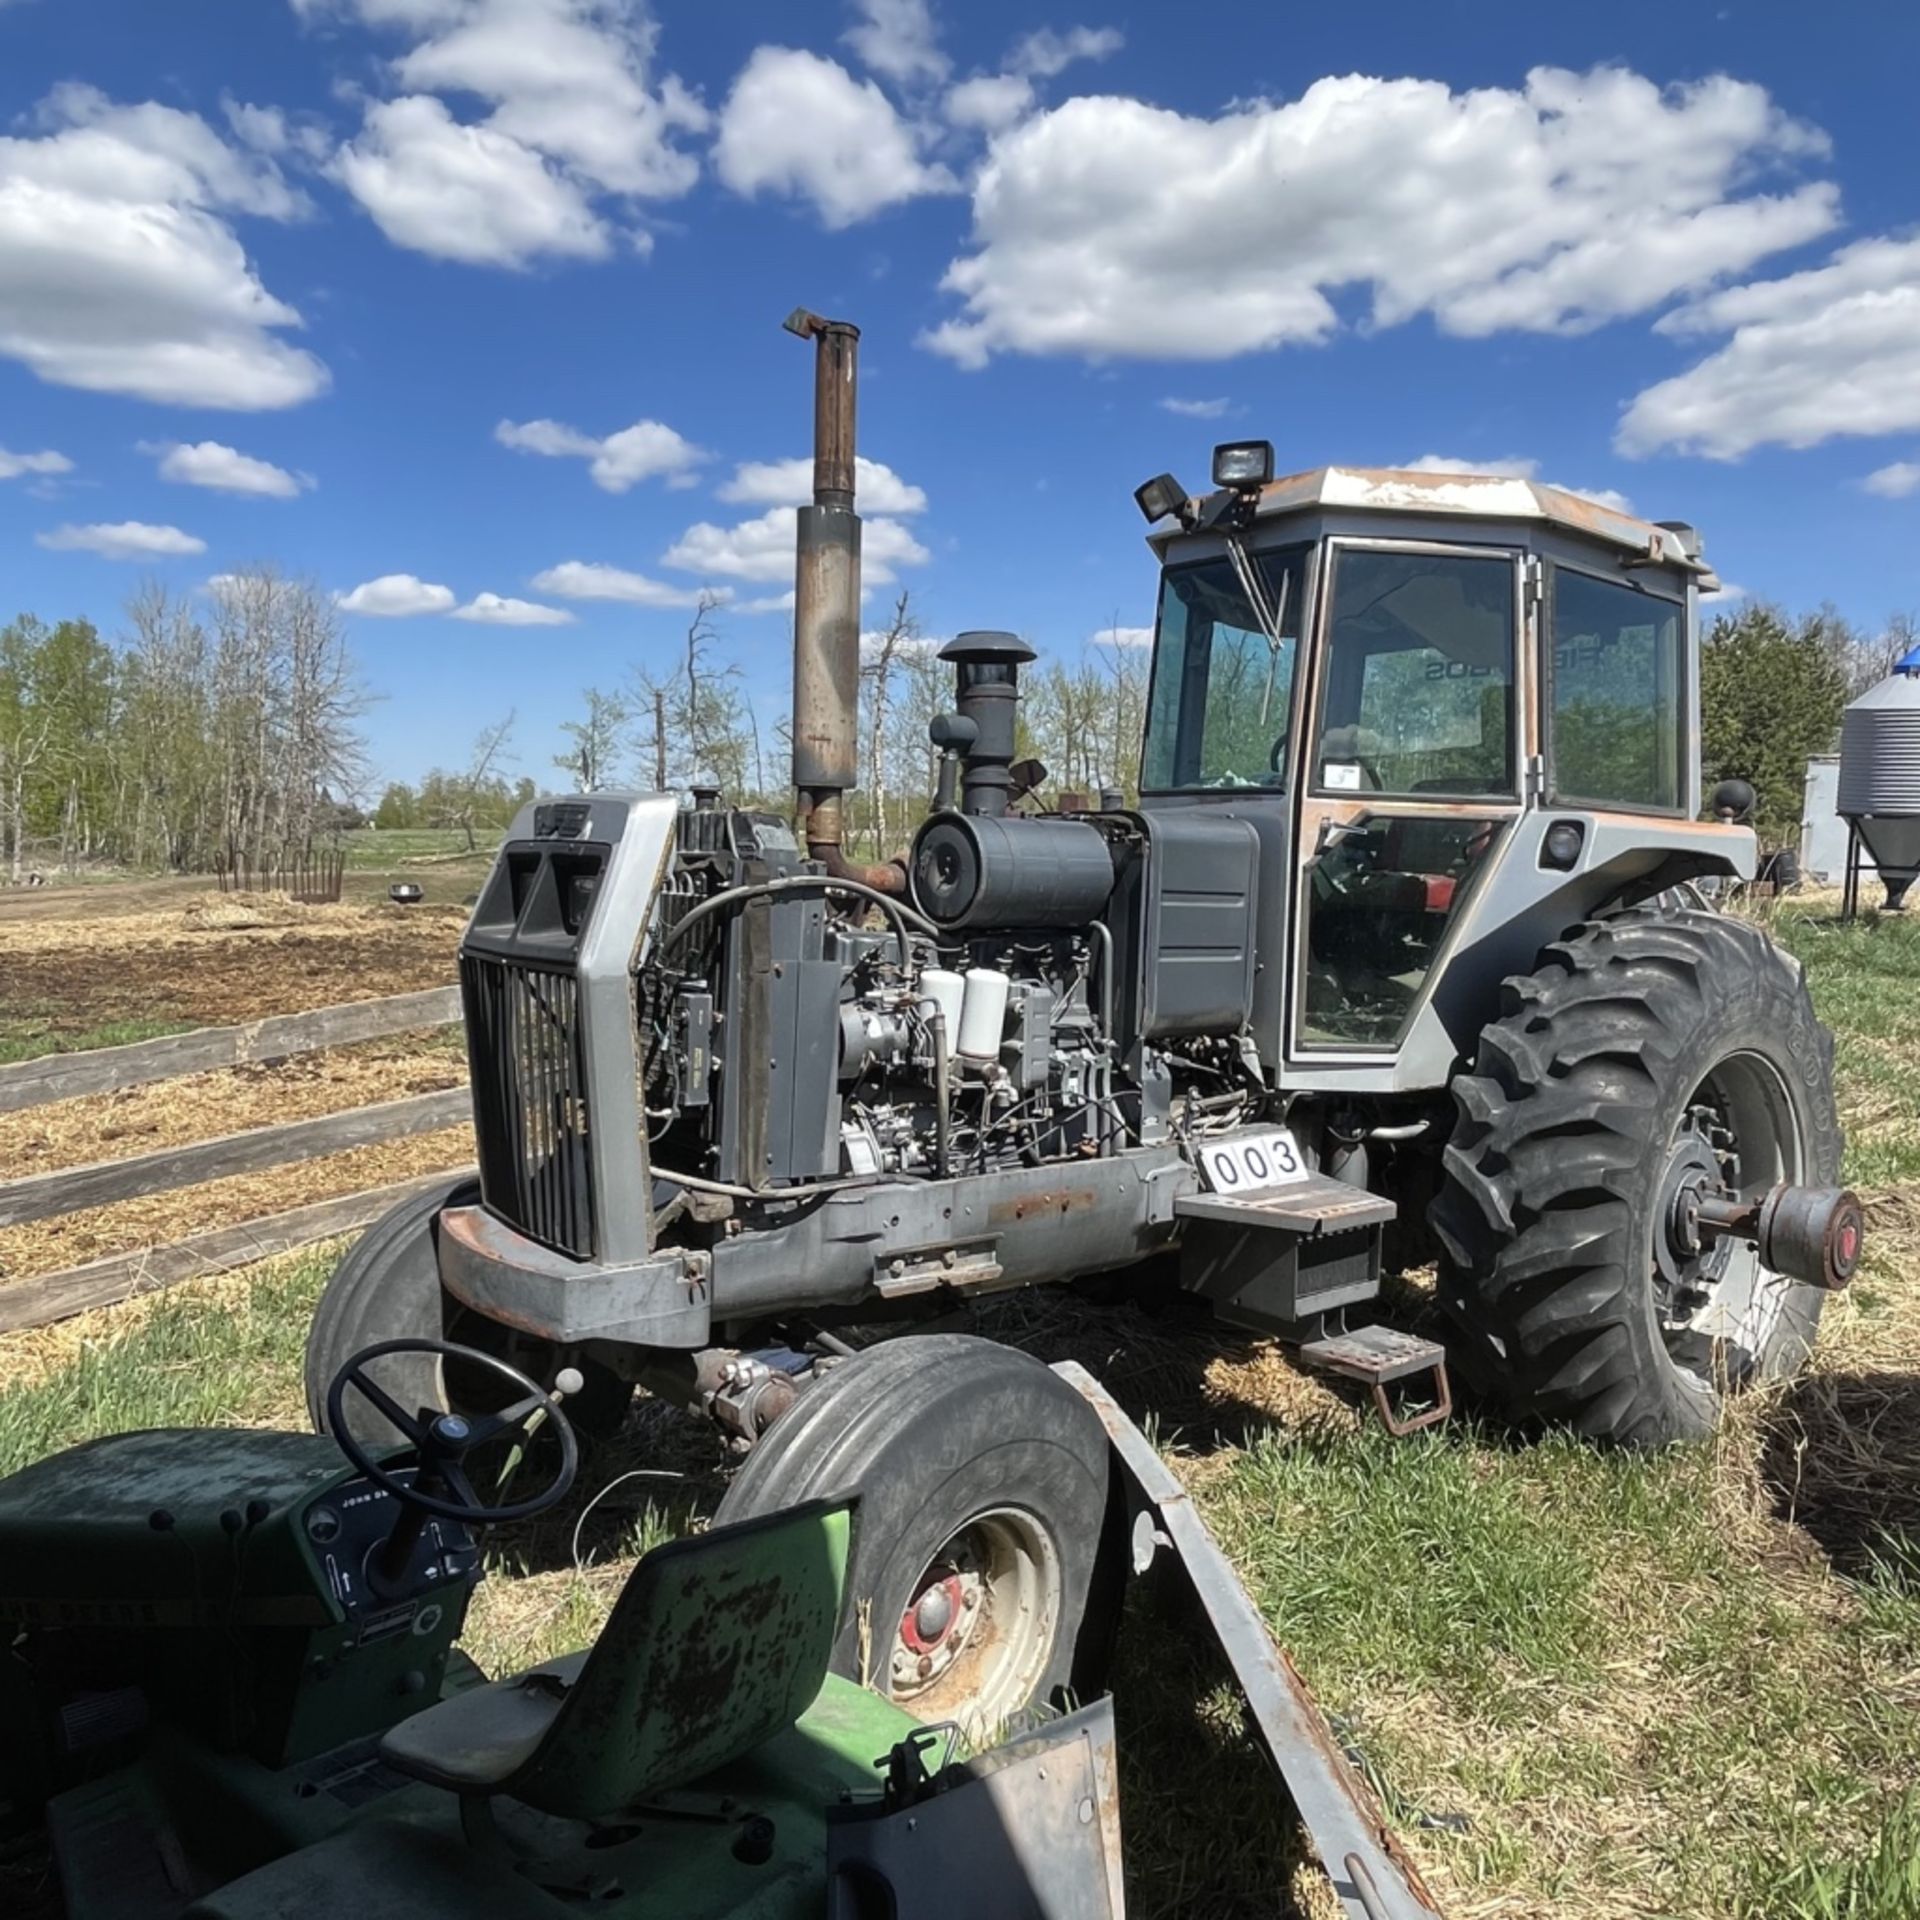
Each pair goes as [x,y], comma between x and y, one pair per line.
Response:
[192,1362]
[399,808]
[1878,1882]
[215,727]
[1771,695]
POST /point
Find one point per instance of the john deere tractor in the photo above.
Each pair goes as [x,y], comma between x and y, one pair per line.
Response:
[1409,932]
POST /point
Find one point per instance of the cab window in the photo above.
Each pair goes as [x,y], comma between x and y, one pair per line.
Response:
[1614,728]
[1419,675]
[1219,711]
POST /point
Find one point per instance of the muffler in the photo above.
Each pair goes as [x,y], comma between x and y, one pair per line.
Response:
[826,611]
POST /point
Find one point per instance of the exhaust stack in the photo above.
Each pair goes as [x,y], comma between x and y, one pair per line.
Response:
[826,610]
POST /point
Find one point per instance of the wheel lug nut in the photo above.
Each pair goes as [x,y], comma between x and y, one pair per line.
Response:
[926,1665]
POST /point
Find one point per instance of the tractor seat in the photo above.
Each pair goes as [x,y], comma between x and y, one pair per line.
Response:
[717,1643]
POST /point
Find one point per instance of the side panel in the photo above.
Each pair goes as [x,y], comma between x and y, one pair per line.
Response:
[607,959]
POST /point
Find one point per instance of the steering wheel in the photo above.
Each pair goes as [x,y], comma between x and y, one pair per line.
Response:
[444,1440]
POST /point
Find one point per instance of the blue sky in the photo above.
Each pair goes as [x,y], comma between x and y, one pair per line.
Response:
[470,308]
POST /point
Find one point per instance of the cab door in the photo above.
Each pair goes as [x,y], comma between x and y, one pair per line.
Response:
[1411,766]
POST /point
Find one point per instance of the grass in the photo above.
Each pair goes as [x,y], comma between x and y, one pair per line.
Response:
[379,849]
[31,1034]
[1667,1687]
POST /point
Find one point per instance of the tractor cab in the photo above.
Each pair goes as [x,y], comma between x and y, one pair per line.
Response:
[1459,712]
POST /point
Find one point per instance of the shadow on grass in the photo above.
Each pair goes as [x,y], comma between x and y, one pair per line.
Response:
[1841,1458]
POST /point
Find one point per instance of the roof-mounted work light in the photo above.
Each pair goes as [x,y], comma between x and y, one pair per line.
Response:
[1243,463]
[1161,496]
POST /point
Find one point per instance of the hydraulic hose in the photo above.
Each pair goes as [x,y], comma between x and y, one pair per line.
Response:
[899,915]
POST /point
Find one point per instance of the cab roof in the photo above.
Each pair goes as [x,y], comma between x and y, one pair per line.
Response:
[1471,496]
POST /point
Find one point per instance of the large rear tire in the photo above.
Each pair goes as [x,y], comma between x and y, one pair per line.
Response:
[982,1479]
[1648,1050]
[387,1287]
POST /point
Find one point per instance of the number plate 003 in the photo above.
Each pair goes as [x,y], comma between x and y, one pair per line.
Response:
[1250,1162]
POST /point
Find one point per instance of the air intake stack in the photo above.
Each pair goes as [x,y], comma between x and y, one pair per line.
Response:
[987,694]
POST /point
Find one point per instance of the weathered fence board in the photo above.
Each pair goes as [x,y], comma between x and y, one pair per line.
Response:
[63,1076]
[41,1301]
[41,1196]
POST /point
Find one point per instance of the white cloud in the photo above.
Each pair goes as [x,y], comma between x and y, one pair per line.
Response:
[1893,482]
[1107,227]
[1512,467]
[397,596]
[1198,409]
[569,79]
[898,40]
[465,193]
[495,610]
[13,465]
[644,451]
[798,125]
[206,463]
[1833,350]
[264,129]
[123,540]
[762,549]
[1724,595]
[1122,637]
[123,270]
[588,580]
[1047,53]
[577,119]
[991,102]
[789,483]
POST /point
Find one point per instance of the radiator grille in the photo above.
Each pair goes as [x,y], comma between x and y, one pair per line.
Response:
[528,1060]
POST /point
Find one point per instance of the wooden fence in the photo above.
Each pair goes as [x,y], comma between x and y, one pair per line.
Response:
[313,878]
[45,1298]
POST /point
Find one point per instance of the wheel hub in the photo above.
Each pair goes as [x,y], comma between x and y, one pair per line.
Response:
[1690,1261]
[938,1623]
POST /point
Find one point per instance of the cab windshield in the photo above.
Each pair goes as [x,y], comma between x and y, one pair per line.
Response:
[1223,674]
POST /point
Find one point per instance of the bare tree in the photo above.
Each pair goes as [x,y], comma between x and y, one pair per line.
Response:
[462,799]
[877,672]
[697,729]
[596,738]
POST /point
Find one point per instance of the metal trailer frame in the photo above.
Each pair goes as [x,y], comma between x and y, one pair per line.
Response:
[1369,1872]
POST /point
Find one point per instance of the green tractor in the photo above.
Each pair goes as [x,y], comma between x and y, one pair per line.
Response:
[233,1691]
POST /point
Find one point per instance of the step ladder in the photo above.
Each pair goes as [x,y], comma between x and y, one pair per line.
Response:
[1380,1357]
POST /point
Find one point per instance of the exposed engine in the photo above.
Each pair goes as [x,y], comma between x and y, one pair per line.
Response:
[800,1028]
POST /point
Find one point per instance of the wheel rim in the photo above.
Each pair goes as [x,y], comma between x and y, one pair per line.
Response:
[1720,1307]
[977,1631]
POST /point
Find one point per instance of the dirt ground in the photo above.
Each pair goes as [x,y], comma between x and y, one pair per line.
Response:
[204,960]
[209,962]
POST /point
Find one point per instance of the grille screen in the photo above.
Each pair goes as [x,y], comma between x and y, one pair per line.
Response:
[528,1060]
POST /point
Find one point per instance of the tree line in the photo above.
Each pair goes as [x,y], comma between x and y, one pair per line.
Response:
[219,728]
[226,727]
[688,718]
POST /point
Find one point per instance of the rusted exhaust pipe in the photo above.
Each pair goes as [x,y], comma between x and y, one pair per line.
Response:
[826,610]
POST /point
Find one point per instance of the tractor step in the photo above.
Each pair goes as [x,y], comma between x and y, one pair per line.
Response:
[1316,1204]
[1380,1356]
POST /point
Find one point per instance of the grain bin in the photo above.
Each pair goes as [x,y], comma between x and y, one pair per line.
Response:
[1880,776]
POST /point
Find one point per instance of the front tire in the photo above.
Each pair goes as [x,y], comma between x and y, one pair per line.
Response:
[1649,1050]
[983,1483]
[387,1287]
